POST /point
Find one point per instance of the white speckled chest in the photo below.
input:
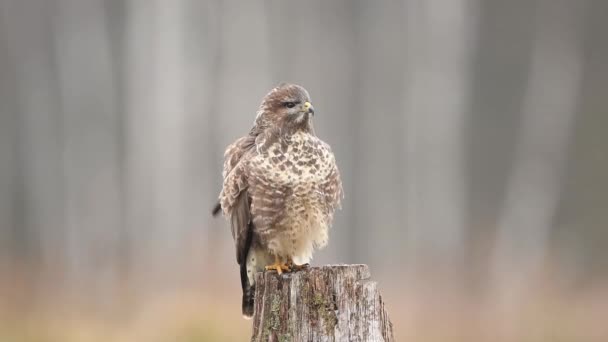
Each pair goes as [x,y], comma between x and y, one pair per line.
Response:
[299,161]
[295,169]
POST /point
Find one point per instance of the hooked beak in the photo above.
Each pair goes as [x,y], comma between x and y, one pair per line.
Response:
[308,108]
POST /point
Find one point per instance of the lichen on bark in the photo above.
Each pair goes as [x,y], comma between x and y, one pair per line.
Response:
[329,303]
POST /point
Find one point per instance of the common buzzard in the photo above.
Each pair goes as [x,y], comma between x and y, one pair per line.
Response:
[281,188]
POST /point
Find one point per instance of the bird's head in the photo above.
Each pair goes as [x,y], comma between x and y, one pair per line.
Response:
[287,105]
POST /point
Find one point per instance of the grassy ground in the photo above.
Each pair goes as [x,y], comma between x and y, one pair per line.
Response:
[186,318]
[211,312]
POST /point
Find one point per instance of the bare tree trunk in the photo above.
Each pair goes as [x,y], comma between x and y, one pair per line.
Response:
[438,64]
[549,109]
[38,232]
[154,137]
[91,162]
[329,303]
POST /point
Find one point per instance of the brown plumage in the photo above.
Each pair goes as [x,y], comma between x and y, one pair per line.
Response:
[281,188]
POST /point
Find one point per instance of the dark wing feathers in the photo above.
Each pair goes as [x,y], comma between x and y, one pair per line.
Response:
[234,199]
[235,203]
[240,219]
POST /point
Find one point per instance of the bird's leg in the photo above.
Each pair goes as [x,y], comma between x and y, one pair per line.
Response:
[294,266]
[278,266]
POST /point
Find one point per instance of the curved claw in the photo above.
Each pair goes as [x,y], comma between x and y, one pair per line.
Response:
[278,266]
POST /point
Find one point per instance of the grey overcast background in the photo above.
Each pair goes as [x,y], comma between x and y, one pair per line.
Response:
[472,137]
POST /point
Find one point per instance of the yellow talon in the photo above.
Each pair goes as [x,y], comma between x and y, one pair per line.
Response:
[278,266]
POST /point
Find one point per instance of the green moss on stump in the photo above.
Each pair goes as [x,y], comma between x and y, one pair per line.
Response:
[274,323]
[325,310]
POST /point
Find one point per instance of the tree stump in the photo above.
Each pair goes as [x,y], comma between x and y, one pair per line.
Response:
[329,303]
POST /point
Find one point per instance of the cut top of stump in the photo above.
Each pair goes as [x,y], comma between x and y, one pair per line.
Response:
[328,303]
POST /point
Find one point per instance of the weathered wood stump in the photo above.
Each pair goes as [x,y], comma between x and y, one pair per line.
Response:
[329,303]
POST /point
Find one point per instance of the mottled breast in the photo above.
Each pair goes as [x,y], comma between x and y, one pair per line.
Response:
[289,207]
[300,159]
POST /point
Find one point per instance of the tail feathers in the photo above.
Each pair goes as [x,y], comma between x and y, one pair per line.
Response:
[247,305]
[248,294]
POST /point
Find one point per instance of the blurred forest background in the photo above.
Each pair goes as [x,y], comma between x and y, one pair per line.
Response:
[472,138]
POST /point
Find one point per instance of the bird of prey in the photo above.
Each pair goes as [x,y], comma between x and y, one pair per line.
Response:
[281,188]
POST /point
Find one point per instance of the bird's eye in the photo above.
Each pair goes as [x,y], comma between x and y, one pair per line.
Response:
[289,104]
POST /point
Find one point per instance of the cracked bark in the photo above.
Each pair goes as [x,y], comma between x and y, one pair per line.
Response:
[329,303]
